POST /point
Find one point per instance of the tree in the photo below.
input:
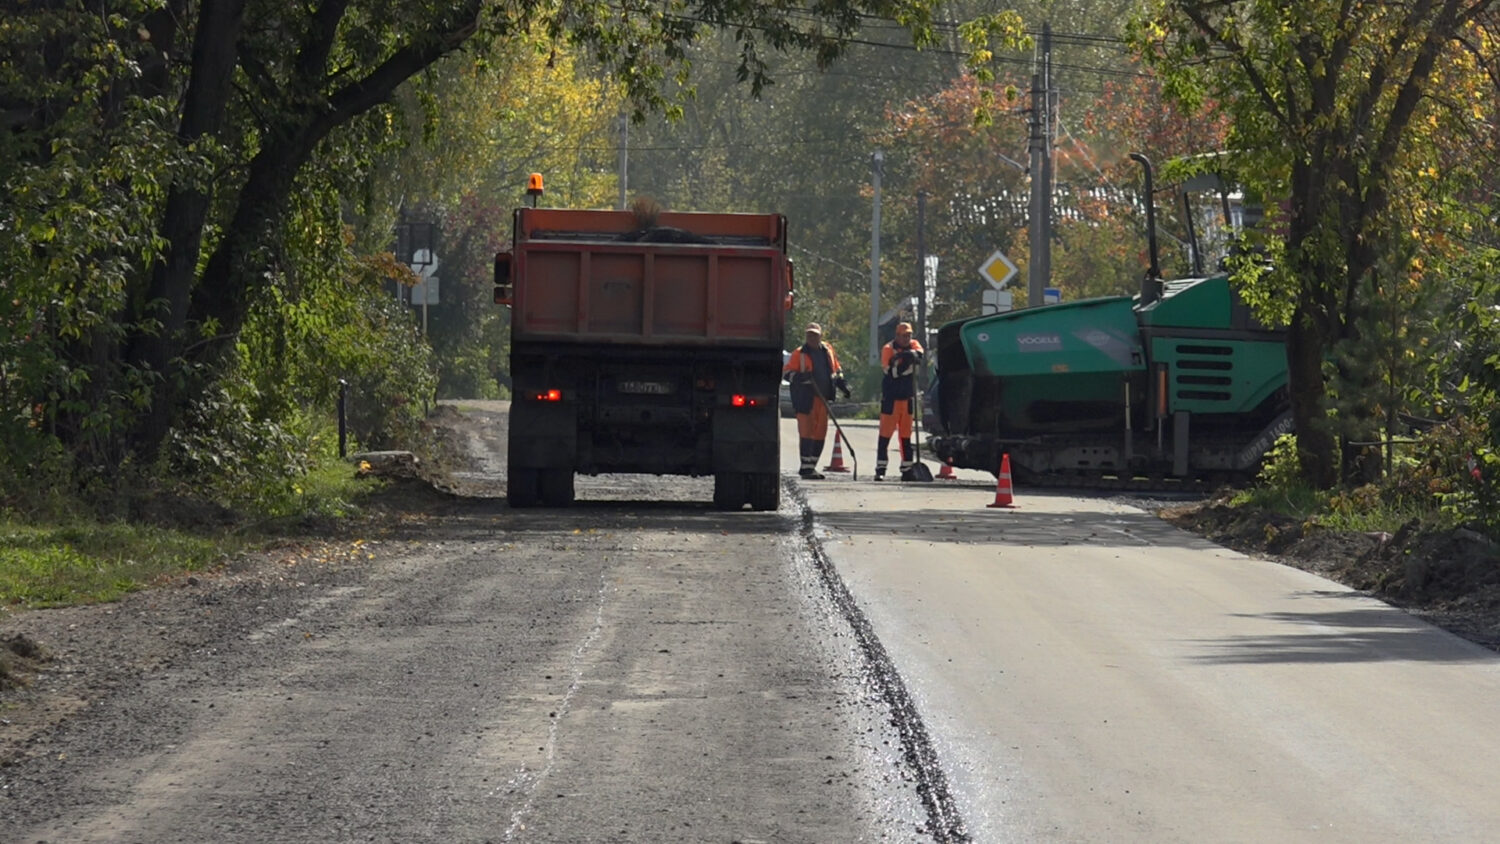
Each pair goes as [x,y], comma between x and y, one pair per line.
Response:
[473,128]
[968,167]
[1333,108]
[980,194]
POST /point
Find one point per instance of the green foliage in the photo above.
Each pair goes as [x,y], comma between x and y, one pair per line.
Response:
[330,489]
[330,317]
[357,334]
[82,561]
[1457,465]
[1449,477]
[228,454]
[469,333]
[1297,500]
[83,188]
[387,402]
[35,471]
[470,375]
[1279,468]
[1280,487]
[1370,508]
[66,557]
[1099,255]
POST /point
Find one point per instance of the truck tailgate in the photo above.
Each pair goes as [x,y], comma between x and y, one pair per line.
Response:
[655,294]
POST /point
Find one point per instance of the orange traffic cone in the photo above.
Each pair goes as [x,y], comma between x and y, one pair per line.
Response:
[838,457]
[946,473]
[1003,498]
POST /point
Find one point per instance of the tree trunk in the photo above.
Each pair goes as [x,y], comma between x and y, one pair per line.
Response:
[1305,344]
[1359,422]
[237,268]
[172,278]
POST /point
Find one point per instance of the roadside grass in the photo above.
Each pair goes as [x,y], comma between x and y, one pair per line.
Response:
[1296,501]
[331,489]
[62,560]
[81,561]
[1364,509]
[1384,506]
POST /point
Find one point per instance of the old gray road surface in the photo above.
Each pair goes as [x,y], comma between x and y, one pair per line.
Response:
[626,670]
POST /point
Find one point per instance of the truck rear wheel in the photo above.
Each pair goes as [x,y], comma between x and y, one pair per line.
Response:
[729,490]
[557,487]
[765,490]
[521,487]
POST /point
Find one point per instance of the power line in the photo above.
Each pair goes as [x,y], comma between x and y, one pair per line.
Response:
[938,51]
[674,148]
[812,71]
[815,256]
[874,21]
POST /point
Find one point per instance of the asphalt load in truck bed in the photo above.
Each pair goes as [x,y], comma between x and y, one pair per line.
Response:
[636,668]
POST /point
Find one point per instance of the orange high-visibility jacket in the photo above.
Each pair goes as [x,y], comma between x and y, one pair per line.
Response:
[896,382]
[805,375]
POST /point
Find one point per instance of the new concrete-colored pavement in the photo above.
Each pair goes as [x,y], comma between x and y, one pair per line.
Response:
[1089,673]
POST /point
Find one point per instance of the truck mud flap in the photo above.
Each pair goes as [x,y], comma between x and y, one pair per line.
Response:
[746,441]
[543,435]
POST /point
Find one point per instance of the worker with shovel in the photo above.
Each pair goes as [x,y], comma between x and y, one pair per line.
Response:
[899,360]
[814,372]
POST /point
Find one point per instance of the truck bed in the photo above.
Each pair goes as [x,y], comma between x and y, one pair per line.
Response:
[588,281]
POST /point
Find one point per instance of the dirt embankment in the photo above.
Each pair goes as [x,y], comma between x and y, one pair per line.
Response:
[1450,578]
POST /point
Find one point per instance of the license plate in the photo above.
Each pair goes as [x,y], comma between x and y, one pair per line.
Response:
[648,388]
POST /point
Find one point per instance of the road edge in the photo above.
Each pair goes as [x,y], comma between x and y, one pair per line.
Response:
[944,821]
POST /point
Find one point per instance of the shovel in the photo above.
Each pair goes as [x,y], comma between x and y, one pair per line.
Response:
[838,429]
[918,471]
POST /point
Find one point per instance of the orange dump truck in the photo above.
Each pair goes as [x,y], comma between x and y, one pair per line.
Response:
[647,347]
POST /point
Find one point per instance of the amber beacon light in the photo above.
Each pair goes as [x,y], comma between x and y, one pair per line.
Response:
[534,187]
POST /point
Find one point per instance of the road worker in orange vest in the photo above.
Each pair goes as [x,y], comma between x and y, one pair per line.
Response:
[814,373]
[899,360]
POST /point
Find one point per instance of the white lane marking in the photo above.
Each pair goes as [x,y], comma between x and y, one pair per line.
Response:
[526,781]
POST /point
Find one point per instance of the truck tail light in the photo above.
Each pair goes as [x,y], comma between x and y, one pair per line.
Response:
[741,400]
[548,395]
[738,400]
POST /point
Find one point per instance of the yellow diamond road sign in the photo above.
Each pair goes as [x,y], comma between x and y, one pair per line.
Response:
[998,270]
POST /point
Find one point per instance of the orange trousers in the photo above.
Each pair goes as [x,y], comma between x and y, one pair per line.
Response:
[814,425]
[899,416]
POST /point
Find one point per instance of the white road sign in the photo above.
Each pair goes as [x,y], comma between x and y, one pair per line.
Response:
[425,264]
[929,279]
[994,301]
[997,270]
[427,291]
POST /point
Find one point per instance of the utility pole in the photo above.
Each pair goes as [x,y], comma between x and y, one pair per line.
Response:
[1049,137]
[921,332]
[877,165]
[1040,270]
[624,157]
